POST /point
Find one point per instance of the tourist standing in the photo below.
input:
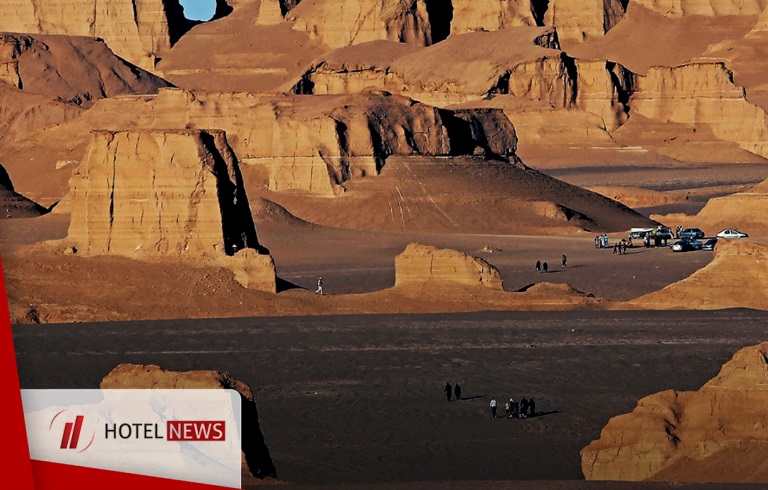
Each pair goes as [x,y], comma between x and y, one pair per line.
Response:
[493,407]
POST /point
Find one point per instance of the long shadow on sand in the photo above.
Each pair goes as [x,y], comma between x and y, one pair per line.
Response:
[541,414]
[464,398]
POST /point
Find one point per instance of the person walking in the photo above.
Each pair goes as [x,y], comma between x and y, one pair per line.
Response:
[538,266]
[319,286]
[448,391]
[564,262]
[493,407]
[523,406]
[532,407]
[545,267]
[457,391]
[508,408]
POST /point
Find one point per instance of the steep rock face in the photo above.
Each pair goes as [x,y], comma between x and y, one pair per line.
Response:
[716,434]
[256,458]
[679,8]
[521,62]
[137,30]
[581,20]
[702,93]
[472,16]
[420,264]
[75,70]
[736,278]
[338,23]
[163,193]
[317,144]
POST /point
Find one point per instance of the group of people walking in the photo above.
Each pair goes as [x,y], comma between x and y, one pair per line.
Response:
[620,248]
[543,266]
[514,409]
[601,241]
[452,391]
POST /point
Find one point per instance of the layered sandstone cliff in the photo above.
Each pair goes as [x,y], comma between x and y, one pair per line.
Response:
[165,193]
[138,30]
[523,62]
[316,144]
[423,264]
[256,458]
[736,278]
[702,93]
[338,23]
[716,434]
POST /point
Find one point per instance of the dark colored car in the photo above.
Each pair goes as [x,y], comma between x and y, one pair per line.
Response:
[686,245]
[692,233]
[710,244]
[664,233]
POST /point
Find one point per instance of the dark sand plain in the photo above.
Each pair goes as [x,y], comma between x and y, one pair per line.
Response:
[358,399]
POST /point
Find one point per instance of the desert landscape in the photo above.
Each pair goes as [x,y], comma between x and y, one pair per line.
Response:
[414,161]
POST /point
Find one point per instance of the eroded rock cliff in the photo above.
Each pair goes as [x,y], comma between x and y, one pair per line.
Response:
[257,460]
[75,70]
[678,8]
[165,193]
[338,23]
[137,30]
[716,434]
[317,144]
[422,264]
[523,62]
[702,93]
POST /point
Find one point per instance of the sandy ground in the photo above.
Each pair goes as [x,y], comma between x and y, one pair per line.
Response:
[358,399]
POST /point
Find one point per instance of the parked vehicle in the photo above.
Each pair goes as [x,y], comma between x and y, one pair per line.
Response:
[709,245]
[639,233]
[664,233]
[732,233]
[686,245]
[692,233]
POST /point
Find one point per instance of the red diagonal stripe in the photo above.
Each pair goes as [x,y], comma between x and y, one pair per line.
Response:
[76,433]
[65,436]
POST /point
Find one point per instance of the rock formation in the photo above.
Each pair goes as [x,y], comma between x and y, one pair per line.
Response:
[256,458]
[166,193]
[716,434]
[702,93]
[317,144]
[523,62]
[423,264]
[75,70]
[338,23]
[138,30]
[736,278]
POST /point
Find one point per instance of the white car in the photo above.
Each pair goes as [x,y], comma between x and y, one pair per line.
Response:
[732,233]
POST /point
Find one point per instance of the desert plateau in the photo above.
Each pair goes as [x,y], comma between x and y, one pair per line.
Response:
[336,207]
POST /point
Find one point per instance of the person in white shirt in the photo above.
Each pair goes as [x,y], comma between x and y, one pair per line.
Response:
[493,407]
[319,286]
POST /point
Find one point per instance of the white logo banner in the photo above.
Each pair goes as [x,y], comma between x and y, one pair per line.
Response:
[188,435]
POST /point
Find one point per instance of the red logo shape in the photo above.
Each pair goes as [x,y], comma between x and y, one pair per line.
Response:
[196,430]
[70,437]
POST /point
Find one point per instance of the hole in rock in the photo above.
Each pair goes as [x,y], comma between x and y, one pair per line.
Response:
[440,14]
[202,10]
[538,10]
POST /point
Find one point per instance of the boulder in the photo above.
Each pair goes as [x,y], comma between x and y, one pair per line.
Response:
[424,264]
[256,459]
[716,434]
